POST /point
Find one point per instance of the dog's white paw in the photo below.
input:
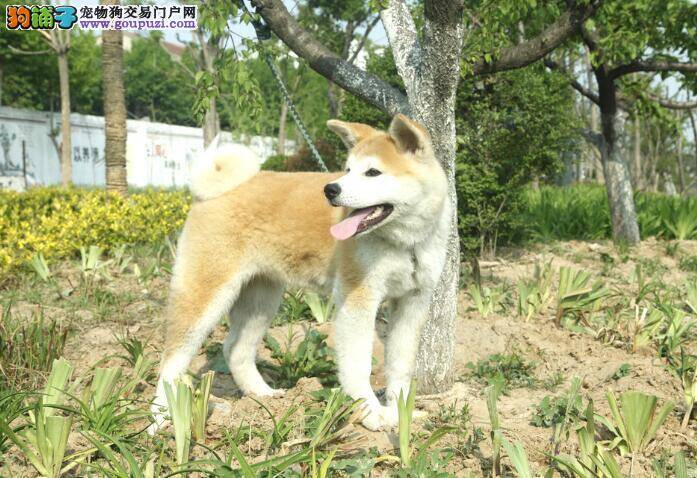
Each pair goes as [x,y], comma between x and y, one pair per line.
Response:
[267,392]
[380,418]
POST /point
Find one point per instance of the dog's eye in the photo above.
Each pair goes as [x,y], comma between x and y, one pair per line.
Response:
[372,172]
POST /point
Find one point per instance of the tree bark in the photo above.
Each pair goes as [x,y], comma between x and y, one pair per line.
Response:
[211,123]
[681,163]
[637,153]
[114,109]
[211,119]
[66,159]
[617,180]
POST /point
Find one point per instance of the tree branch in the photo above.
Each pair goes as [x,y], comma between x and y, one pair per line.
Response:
[529,51]
[641,65]
[361,83]
[406,50]
[27,52]
[587,92]
[361,44]
[673,105]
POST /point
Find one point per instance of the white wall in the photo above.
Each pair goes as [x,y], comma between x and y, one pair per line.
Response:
[158,154]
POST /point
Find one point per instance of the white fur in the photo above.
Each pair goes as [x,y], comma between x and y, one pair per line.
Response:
[220,169]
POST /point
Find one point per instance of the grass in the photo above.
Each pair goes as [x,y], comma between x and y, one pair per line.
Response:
[581,212]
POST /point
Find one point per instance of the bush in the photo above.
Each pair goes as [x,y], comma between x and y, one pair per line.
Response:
[56,222]
[276,162]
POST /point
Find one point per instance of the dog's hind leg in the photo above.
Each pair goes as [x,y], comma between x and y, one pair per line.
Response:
[192,313]
[249,318]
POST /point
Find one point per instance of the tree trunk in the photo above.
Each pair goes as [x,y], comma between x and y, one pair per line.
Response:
[617,181]
[211,123]
[596,165]
[282,120]
[114,109]
[211,120]
[637,153]
[1,78]
[681,163]
[66,160]
[693,123]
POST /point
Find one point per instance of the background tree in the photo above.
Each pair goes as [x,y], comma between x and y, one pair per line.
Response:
[626,38]
[428,62]
[115,130]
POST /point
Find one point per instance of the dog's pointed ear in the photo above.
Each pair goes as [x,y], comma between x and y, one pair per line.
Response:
[409,135]
[350,133]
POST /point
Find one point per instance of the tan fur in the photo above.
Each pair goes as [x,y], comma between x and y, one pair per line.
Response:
[275,224]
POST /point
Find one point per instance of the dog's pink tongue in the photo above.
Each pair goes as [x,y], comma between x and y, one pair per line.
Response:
[349,226]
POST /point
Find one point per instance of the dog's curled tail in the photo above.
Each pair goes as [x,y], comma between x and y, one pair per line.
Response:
[221,169]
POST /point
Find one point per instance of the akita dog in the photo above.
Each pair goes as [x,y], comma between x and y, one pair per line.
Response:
[373,233]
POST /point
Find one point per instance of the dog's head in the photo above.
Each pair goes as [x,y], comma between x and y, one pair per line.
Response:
[392,178]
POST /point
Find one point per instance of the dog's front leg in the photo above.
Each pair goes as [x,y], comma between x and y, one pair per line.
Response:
[406,321]
[354,327]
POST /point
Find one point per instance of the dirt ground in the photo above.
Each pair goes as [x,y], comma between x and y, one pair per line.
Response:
[556,352]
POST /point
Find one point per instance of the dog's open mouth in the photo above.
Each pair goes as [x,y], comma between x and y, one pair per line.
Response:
[359,220]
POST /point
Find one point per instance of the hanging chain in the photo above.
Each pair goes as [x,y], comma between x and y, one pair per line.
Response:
[263,32]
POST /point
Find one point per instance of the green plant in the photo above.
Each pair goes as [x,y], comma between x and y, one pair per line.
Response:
[686,369]
[646,327]
[519,459]
[635,420]
[621,372]
[199,412]
[44,437]
[121,463]
[553,411]
[576,294]
[414,457]
[677,328]
[485,299]
[321,309]
[179,403]
[312,357]
[41,268]
[689,263]
[511,370]
[691,296]
[492,397]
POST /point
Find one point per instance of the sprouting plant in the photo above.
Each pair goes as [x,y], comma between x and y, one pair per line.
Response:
[11,408]
[179,402]
[691,296]
[119,463]
[312,357]
[44,438]
[576,294]
[676,330]
[293,308]
[492,397]
[199,412]
[635,420]
[592,461]
[685,367]
[321,309]
[485,299]
[135,355]
[105,406]
[509,370]
[41,268]
[646,327]
[519,459]
[414,457]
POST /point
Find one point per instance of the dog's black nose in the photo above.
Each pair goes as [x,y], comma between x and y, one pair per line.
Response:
[332,190]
